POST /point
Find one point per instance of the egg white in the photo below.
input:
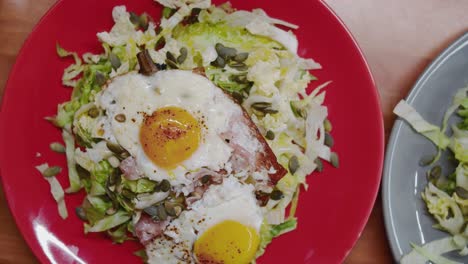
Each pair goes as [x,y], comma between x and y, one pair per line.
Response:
[230,200]
[136,95]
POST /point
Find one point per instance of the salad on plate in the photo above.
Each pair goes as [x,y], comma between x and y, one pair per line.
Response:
[193,134]
[446,194]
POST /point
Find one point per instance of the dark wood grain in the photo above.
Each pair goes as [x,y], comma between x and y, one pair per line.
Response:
[399,38]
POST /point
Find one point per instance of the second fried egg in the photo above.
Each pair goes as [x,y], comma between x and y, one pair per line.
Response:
[223,227]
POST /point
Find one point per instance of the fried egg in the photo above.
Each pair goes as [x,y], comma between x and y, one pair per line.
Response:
[169,122]
[222,227]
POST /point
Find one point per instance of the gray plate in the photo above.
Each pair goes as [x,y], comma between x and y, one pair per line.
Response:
[406,218]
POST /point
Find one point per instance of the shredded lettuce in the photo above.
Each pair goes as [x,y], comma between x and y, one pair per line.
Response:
[444,209]
[95,208]
[143,185]
[432,132]
[56,190]
[119,234]
[75,184]
[444,196]
[181,3]
[72,71]
[431,251]
[108,222]
[268,232]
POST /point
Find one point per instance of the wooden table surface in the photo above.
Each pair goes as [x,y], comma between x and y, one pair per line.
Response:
[399,38]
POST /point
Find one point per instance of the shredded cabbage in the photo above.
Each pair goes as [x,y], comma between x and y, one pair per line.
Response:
[56,190]
[268,232]
[108,222]
[270,72]
[75,184]
[445,197]
[432,132]
[431,251]
[444,209]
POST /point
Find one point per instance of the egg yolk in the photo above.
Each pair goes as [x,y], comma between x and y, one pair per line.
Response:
[169,136]
[228,242]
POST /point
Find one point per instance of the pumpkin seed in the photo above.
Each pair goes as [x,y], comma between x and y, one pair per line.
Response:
[241,78]
[80,212]
[179,199]
[112,196]
[293,164]
[327,125]
[171,64]
[52,171]
[461,192]
[434,173]
[170,56]
[114,60]
[276,195]
[219,62]
[162,215]
[239,66]
[114,147]
[269,111]
[99,78]
[93,112]
[167,12]
[120,118]
[143,21]
[172,209]
[151,210]
[264,107]
[82,173]
[128,194]
[270,135]
[298,112]
[225,52]
[114,177]
[134,18]
[319,164]
[165,185]
[329,140]
[426,160]
[160,43]
[241,57]
[57,147]
[260,105]
[193,18]
[206,179]
[182,56]
[335,161]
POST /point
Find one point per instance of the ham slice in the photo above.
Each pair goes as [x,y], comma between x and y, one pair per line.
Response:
[146,229]
[129,169]
[257,159]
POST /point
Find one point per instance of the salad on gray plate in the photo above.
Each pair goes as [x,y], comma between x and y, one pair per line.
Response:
[446,194]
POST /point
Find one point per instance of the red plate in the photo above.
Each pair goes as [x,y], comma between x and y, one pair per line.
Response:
[332,213]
